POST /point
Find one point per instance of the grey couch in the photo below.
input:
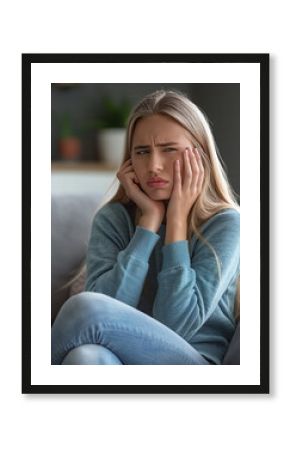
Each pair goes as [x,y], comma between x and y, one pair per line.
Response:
[71,220]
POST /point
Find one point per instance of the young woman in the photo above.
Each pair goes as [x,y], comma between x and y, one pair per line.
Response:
[163,260]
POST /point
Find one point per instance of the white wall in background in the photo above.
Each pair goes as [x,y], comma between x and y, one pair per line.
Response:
[76,182]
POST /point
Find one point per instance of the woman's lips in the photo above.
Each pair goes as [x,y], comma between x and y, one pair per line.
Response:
[157,184]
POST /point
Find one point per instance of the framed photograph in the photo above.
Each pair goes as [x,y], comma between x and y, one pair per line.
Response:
[69,172]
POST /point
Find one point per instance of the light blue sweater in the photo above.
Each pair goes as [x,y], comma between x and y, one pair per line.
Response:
[178,283]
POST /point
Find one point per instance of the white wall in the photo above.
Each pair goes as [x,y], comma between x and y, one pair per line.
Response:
[78,182]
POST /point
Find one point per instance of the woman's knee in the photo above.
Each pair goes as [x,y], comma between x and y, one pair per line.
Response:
[86,304]
[90,354]
[80,321]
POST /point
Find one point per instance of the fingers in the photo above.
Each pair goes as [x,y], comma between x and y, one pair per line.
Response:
[125,166]
[127,169]
[200,168]
[188,168]
[177,184]
[195,174]
[185,194]
[130,170]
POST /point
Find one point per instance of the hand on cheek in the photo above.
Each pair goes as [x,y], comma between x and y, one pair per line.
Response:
[188,176]
[136,180]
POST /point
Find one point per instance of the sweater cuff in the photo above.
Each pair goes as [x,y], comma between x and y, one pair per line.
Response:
[142,243]
[175,254]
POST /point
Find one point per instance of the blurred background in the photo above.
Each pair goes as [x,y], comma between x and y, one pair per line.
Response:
[88,129]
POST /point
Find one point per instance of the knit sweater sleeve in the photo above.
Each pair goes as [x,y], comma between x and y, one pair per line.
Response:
[189,285]
[118,256]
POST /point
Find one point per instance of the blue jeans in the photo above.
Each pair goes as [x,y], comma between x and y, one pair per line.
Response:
[93,328]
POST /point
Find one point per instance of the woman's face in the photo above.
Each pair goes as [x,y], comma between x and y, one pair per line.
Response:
[157,142]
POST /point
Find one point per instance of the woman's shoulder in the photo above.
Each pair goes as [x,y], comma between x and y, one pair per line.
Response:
[230,213]
[111,208]
[116,208]
[114,213]
[221,230]
[223,219]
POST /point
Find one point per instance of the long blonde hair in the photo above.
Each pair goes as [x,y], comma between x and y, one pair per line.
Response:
[216,193]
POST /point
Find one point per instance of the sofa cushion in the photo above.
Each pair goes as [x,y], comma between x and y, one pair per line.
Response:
[71,220]
[232,356]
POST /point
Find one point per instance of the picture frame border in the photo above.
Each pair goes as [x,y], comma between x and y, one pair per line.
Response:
[263,59]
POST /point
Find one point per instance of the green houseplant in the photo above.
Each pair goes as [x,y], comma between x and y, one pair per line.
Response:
[111,130]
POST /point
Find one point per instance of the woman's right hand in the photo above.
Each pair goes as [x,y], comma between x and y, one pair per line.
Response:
[152,211]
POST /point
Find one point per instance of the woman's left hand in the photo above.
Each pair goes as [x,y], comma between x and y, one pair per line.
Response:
[186,191]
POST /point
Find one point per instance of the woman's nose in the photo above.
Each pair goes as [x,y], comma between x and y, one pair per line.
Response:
[154,162]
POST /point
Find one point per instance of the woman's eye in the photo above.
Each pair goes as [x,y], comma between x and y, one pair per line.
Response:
[170,149]
[141,152]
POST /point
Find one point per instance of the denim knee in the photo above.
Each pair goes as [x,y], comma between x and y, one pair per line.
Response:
[77,323]
[91,354]
[86,304]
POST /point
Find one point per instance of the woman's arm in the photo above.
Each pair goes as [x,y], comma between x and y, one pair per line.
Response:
[189,287]
[117,257]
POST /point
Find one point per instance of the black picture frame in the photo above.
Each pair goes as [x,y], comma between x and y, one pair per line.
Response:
[259,60]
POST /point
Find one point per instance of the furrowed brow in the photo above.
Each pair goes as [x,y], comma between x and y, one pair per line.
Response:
[165,144]
[138,147]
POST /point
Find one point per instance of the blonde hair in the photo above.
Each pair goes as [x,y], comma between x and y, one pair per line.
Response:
[216,193]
